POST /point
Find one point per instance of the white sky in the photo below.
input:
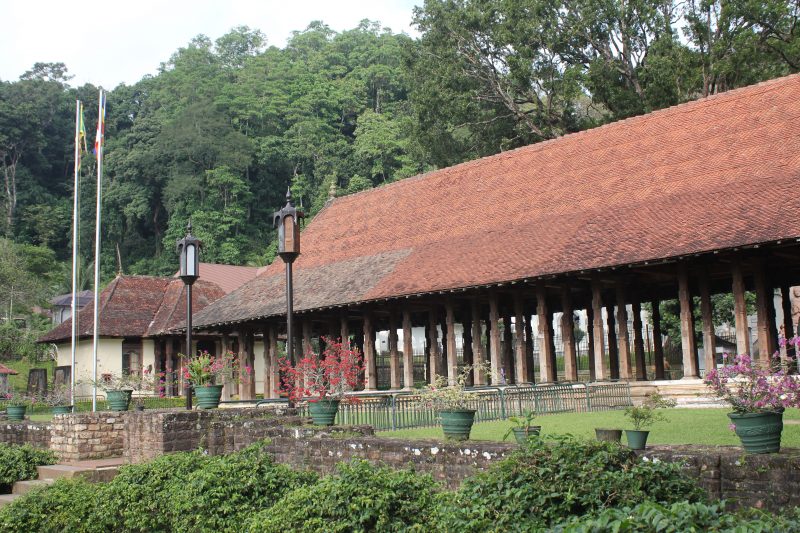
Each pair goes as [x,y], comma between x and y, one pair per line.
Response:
[112,42]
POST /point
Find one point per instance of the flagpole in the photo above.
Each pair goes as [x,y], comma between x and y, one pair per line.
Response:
[75,249]
[99,146]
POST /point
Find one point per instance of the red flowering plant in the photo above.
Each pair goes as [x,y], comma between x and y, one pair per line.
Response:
[205,369]
[323,377]
[752,388]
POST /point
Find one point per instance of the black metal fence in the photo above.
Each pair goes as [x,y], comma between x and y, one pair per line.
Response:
[399,410]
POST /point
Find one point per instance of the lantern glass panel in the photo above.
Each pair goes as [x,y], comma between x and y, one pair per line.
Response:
[191,260]
[288,233]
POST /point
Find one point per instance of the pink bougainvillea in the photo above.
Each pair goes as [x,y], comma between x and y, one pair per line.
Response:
[325,376]
[750,387]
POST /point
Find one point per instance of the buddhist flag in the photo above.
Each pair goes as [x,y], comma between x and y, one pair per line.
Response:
[82,131]
[101,124]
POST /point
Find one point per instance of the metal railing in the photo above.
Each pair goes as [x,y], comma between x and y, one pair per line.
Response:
[400,410]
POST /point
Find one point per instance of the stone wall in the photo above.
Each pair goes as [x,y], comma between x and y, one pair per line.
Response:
[81,436]
[33,433]
[149,434]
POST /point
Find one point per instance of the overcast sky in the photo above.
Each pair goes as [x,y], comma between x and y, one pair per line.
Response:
[112,42]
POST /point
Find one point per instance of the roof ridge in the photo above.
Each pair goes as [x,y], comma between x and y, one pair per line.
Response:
[168,321]
[114,284]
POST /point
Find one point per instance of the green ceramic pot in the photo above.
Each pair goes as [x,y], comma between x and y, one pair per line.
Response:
[608,435]
[62,409]
[759,432]
[323,412]
[208,396]
[457,423]
[118,400]
[16,412]
[637,440]
[521,435]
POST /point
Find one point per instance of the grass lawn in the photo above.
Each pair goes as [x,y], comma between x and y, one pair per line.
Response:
[683,426]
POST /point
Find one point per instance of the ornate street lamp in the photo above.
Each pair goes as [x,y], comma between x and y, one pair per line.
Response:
[189,252]
[287,221]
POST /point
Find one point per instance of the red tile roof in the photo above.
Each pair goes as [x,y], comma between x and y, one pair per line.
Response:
[706,175]
[138,306]
[228,277]
[5,370]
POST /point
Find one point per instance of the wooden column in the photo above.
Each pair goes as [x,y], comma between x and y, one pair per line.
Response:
[227,388]
[638,340]
[344,331]
[408,351]
[529,312]
[613,348]
[394,353]
[307,345]
[519,351]
[740,310]
[494,338]
[706,315]
[623,340]
[452,356]
[658,346]
[247,387]
[687,324]
[274,374]
[568,336]
[508,351]
[433,347]
[466,337]
[598,333]
[266,356]
[547,370]
[786,305]
[370,369]
[478,354]
[765,309]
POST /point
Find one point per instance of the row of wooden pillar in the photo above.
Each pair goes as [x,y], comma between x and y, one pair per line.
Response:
[509,358]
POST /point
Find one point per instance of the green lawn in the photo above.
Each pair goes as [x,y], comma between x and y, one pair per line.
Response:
[684,426]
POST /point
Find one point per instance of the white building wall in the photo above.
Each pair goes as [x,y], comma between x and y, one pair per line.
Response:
[109,360]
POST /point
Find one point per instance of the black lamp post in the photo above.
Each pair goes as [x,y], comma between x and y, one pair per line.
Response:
[287,222]
[189,251]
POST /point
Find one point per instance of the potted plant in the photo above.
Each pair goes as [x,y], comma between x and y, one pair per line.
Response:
[144,384]
[17,403]
[323,379]
[523,427]
[644,416]
[208,374]
[453,403]
[58,398]
[608,434]
[758,396]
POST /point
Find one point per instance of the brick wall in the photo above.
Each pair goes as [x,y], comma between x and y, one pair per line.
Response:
[80,436]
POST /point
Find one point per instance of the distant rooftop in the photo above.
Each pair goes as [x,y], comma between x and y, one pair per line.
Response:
[228,277]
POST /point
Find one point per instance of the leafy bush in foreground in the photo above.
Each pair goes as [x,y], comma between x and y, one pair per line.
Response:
[547,482]
[359,497]
[678,518]
[20,462]
[66,505]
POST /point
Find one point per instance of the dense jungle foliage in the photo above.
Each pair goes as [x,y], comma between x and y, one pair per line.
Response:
[227,124]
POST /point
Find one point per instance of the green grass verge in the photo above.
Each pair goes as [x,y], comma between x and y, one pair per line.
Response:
[683,426]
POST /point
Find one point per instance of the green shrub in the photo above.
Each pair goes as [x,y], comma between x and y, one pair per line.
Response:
[359,497]
[66,505]
[228,489]
[680,517]
[548,481]
[139,497]
[20,462]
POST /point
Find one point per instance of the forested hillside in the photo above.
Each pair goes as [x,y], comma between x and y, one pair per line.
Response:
[226,125]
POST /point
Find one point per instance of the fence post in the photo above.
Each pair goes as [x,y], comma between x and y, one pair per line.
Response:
[502,404]
[588,399]
[394,412]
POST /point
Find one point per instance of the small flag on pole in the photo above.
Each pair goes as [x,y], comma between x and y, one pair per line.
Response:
[82,131]
[101,124]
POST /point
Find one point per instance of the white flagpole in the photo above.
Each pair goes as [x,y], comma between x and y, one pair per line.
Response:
[97,248]
[75,248]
